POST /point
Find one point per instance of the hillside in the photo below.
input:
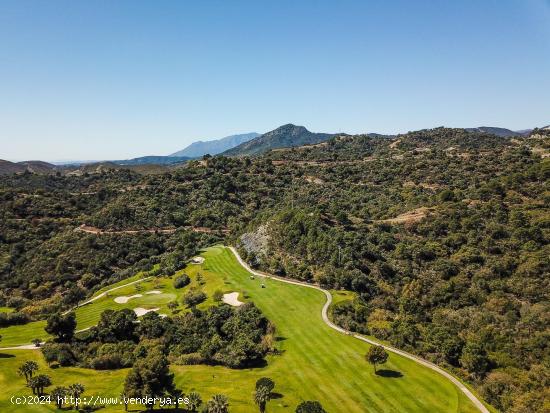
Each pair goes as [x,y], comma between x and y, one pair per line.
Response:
[39,167]
[216,146]
[7,167]
[99,167]
[285,136]
[437,241]
[503,132]
[153,160]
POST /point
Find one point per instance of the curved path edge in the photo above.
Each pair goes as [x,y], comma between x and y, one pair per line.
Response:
[91,300]
[324,314]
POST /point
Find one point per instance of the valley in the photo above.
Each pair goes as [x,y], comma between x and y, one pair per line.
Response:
[327,365]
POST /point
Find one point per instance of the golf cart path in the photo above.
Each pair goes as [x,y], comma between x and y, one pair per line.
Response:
[324,314]
[104,293]
[91,300]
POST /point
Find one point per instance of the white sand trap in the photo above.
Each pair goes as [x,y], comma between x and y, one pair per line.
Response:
[142,311]
[123,299]
[197,260]
[154,292]
[232,299]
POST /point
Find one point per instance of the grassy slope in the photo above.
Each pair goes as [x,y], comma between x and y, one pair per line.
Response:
[88,315]
[316,362]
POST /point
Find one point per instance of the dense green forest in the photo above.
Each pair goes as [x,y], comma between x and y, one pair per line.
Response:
[442,234]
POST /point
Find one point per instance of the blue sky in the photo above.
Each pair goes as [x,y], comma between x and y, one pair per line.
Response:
[119,79]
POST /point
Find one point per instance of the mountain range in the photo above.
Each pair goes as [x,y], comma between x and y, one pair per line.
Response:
[158,160]
[247,144]
[214,147]
[503,132]
[284,136]
[38,167]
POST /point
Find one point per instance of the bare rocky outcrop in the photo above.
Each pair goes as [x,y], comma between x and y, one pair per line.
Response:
[256,242]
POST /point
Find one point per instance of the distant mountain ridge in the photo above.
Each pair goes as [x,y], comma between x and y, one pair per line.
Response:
[285,136]
[503,132]
[38,167]
[157,160]
[214,147]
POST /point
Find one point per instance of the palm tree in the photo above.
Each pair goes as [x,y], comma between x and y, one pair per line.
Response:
[39,382]
[195,401]
[27,369]
[75,390]
[33,384]
[218,404]
[59,394]
[176,395]
[124,398]
[261,396]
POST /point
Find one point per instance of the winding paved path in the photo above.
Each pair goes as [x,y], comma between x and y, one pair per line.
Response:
[324,314]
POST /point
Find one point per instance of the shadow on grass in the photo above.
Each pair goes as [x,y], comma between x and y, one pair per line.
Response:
[6,356]
[275,395]
[391,374]
[280,338]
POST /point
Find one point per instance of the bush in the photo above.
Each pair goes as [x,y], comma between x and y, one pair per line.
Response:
[181,281]
[194,298]
[217,296]
[60,353]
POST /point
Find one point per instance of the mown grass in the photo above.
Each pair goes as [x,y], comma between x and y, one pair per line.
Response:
[315,362]
[88,315]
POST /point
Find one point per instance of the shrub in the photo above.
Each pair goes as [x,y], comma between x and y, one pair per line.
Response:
[181,281]
[194,298]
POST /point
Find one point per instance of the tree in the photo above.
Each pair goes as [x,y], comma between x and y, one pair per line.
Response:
[38,383]
[377,355]
[27,369]
[261,396]
[194,401]
[151,325]
[59,393]
[265,382]
[193,298]
[474,359]
[75,390]
[116,326]
[124,397]
[217,404]
[176,394]
[181,281]
[150,377]
[310,407]
[61,326]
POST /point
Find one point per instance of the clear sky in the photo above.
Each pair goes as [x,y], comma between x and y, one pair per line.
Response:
[118,79]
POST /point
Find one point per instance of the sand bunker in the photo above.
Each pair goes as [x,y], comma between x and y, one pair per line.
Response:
[142,311]
[123,299]
[153,292]
[232,299]
[197,260]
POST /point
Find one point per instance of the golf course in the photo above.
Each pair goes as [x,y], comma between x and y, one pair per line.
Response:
[313,361]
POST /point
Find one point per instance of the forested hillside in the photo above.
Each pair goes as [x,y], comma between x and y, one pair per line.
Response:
[442,234]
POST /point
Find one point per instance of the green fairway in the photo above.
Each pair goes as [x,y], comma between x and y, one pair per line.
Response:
[88,315]
[315,362]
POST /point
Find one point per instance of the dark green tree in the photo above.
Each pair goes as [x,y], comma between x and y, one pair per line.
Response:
[376,355]
[217,404]
[262,395]
[310,407]
[61,326]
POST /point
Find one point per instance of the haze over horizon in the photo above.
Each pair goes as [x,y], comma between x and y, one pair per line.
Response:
[90,81]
